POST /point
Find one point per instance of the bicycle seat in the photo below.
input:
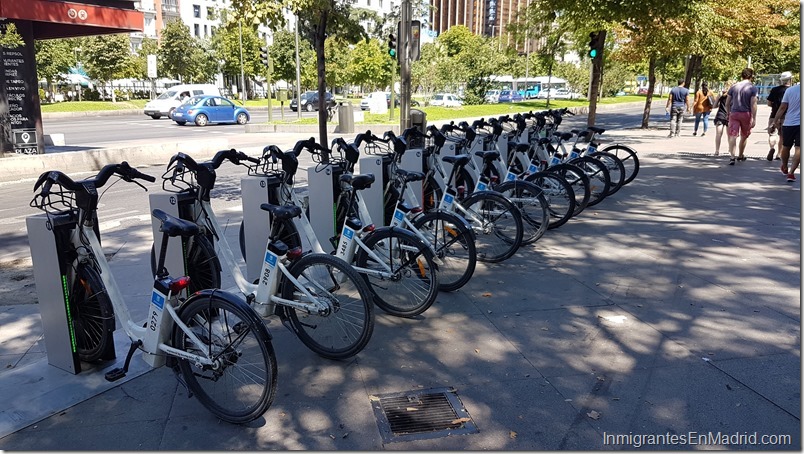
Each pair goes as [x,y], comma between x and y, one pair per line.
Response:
[596,130]
[409,175]
[282,212]
[174,226]
[488,155]
[544,140]
[457,160]
[521,147]
[359,182]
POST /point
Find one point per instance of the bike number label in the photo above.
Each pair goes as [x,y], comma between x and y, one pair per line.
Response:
[511,176]
[157,305]
[573,154]
[270,264]
[591,150]
[346,240]
[532,168]
[555,160]
[482,186]
[399,217]
[449,199]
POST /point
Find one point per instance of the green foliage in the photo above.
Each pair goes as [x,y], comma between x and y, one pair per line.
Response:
[54,57]
[138,63]
[369,65]
[283,54]
[106,56]
[174,54]
[226,43]
[9,36]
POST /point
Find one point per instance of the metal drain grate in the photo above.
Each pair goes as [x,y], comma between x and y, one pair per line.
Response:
[419,415]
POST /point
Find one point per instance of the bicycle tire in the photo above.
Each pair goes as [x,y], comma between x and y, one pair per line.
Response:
[91,312]
[579,182]
[454,244]
[346,329]
[412,266]
[559,194]
[615,167]
[286,232]
[599,178]
[201,264]
[532,205]
[242,384]
[500,235]
[629,158]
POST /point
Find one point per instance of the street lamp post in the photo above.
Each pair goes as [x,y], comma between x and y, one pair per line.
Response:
[77,66]
[242,72]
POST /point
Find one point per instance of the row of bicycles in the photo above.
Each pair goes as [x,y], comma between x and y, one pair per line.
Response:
[486,189]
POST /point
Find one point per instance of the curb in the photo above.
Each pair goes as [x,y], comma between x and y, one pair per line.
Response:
[18,167]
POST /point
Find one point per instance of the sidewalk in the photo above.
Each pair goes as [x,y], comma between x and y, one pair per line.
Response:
[672,307]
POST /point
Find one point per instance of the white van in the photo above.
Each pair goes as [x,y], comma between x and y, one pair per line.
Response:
[167,102]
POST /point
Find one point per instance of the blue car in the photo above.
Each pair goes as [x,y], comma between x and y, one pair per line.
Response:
[205,109]
[510,96]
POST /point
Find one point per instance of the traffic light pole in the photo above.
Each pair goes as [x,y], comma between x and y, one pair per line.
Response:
[404,65]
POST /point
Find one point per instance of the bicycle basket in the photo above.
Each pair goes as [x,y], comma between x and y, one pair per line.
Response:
[57,201]
[177,178]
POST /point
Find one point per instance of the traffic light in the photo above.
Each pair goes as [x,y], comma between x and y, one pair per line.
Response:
[264,55]
[595,44]
[392,45]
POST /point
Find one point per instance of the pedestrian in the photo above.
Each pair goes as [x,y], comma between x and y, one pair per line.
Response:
[774,101]
[722,115]
[788,120]
[678,102]
[702,107]
[742,107]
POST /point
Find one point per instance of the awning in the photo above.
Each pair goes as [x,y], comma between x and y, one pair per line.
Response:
[63,19]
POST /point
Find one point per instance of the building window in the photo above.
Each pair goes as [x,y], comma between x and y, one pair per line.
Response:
[206,31]
[210,12]
[212,30]
[368,2]
[197,30]
[197,11]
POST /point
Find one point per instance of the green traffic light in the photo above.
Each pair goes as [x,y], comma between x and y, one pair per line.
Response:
[593,53]
[392,52]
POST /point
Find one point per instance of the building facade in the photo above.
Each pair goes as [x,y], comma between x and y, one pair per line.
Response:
[482,17]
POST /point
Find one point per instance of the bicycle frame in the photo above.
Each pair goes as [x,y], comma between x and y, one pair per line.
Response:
[263,294]
[158,327]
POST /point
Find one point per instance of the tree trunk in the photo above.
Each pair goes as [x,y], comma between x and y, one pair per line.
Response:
[651,87]
[320,37]
[111,85]
[597,72]
[693,71]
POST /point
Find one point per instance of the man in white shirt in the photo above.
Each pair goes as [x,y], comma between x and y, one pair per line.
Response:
[789,118]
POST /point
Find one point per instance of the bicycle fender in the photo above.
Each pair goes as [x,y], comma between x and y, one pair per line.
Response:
[233,299]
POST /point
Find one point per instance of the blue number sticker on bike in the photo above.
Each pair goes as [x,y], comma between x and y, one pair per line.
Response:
[270,259]
[511,176]
[348,233]
[555,160]
[481,186]
[573,154]
[399,216]
[591,150]
[447,201]
[158,300]
[532,168]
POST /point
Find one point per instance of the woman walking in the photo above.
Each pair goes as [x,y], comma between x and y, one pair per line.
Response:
[703,105]
[722,115]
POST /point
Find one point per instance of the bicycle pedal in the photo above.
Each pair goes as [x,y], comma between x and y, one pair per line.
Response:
[115,374]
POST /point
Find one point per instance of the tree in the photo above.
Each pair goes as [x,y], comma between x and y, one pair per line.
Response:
[54,57]
[338,58]
[369,65]
[106,57]
[138,67]
[283,54]
[227,44]
[174,54]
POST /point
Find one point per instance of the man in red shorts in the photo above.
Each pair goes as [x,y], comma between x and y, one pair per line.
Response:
[742,108]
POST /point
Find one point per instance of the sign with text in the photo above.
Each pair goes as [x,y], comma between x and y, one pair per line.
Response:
[151,66]
[20,115]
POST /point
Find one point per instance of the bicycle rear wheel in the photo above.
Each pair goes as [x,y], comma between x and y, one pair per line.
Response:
[532,205]
[629,158]
[579,182]
[454,244]
[497,224]
[559,194]
[615,167]
[344,327]
[92,313]
[241,385]
[201,264]
[599,178]
[413,285]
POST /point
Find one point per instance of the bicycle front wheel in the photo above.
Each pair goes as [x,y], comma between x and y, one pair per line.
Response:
[409,282]
[497,224]
[559,194]
[345,322]
[615,167]
[454,245]
[92,314]
[579,182]
[532,205]
[241,384]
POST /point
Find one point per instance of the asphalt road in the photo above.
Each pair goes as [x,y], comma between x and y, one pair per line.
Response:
[97,131]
